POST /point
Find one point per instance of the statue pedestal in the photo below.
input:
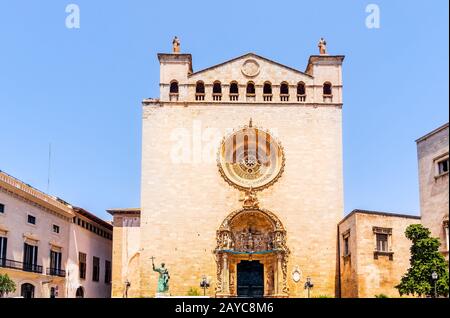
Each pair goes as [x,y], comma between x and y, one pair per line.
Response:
[162,295]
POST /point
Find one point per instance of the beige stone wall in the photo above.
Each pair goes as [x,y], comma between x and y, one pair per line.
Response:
[434,205]
[348,263]
[184,203]
[366,276]
[125,264]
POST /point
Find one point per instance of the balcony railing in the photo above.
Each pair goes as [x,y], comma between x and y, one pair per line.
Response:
[56,272]
[8,263]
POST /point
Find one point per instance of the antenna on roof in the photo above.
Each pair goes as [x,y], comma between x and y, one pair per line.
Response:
[49,165]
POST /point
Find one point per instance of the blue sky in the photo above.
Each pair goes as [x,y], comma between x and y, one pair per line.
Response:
[80,89]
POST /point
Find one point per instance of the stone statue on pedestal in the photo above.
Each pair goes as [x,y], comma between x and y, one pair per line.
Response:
[176,45]
[322,46]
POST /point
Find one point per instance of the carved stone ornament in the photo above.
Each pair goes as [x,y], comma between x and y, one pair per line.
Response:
[250,158]
[250,68]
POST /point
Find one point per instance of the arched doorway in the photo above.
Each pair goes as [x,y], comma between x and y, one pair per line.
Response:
[80,292]
[251,255]
[27,290]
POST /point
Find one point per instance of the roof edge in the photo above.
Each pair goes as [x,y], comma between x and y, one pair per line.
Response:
[389,214]
[432,132]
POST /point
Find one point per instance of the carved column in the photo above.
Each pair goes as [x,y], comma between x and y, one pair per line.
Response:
[226,275]
[279,282]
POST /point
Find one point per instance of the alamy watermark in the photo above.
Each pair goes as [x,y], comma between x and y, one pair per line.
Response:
[373,19]
[73,17]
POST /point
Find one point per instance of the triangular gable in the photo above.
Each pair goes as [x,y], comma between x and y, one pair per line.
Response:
[247,55]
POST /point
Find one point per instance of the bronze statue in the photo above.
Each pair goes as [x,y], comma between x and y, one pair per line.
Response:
[163,279]
[176,45]
[322,46]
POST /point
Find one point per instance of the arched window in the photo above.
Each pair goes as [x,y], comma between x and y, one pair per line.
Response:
[234,91]
[27,290]
[250,88]
[301,92]
[200,88]
[174,87]
[217,91]
[301,89]
[284,89]
[327,88]
[217,88]
[284,92]
[200,91]
[267,89]
[267,92]
[80,292]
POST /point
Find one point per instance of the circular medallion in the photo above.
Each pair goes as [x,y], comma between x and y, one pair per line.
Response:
[296,275]
[250,158]
[250,68]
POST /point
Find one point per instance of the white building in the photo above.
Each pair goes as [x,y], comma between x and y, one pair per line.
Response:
[41,241]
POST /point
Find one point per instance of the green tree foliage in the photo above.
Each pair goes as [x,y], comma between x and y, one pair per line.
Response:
[425,259]
[7,285]
[193,292]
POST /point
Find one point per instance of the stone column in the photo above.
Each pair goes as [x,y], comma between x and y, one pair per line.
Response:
[279,282]
[226,275]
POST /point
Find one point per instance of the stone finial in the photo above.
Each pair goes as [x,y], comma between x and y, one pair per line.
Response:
[176,45]
[322,46]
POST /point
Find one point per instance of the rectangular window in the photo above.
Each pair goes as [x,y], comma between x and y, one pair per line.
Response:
[346,246]
[82,265]
[95,269]
[442,166]
[2,208]
[55,228]
[3,245]
[29,257]
[31,219]
[107,272]
[382,243]
[55,262]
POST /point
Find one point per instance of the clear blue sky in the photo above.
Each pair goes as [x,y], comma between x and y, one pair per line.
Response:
[80,89]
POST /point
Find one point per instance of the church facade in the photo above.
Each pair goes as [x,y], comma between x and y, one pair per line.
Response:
[242,185]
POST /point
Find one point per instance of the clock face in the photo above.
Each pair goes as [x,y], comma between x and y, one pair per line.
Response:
[250,158]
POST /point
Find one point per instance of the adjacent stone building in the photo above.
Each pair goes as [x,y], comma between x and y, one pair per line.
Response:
[41,240]
[432,153]
[373,252]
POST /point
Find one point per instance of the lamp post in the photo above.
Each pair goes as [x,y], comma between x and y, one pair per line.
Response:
[127,286]
[308,285]
[434,277]
[204,284]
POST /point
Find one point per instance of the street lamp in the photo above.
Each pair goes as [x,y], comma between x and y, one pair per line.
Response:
[127,286]
[204,284]
[308,285]
[434,277]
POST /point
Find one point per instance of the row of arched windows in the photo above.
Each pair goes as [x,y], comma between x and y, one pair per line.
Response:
[250,90]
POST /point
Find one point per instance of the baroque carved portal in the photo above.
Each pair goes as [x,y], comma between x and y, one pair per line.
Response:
[252,234]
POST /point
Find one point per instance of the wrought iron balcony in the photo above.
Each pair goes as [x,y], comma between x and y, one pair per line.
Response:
[8,263]
[56,272]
